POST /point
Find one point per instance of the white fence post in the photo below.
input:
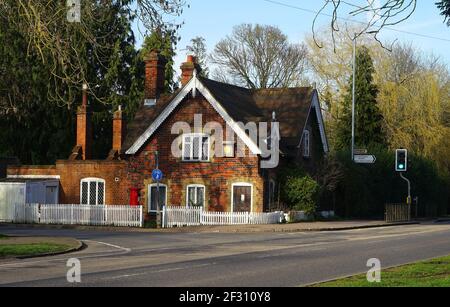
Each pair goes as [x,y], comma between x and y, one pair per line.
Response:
[124,216]
[186,216]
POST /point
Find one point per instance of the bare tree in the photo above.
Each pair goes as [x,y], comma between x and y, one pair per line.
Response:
[259,57]
[59,39]
[380,14]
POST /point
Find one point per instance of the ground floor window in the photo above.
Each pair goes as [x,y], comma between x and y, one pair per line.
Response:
[242,197]
[195,195]
[153,196]
[92,191]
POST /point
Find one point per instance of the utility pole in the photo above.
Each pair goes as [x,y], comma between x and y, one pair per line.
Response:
[354,98]
[409,200]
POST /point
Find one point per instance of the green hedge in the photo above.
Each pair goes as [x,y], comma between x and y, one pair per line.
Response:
[364,189]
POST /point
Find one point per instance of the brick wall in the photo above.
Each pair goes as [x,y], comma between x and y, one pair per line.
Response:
[113,172]
[72,172]
[217,175]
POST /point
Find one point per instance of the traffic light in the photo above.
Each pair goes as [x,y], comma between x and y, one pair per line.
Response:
[401,160]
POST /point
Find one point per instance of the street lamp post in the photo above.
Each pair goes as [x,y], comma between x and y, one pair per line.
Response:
[354,98]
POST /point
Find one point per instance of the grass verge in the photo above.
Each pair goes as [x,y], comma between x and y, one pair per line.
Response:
[431,273]
[25,250]
[3,237]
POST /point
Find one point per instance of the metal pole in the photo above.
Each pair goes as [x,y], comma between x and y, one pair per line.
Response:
[158,209]
[409,188]
[354,98]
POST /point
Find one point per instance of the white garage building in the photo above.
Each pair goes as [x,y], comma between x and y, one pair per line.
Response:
[26,191]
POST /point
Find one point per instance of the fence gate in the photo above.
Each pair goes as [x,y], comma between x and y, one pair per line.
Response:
[396,213]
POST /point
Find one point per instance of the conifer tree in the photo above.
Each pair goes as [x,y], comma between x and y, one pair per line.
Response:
[368,125]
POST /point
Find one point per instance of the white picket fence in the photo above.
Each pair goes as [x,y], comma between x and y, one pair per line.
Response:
[84,215]
[185,216]
[26,213]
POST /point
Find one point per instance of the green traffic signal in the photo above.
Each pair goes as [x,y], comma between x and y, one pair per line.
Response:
[401,160]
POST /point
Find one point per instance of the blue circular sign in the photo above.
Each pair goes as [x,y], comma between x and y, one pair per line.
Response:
[157,175]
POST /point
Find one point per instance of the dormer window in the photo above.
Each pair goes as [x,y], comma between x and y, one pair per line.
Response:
[306,144]
[196,147]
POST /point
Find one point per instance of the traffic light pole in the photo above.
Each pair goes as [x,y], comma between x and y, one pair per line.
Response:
[409,201]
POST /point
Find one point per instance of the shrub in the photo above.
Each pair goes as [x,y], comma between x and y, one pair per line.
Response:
[365,189]
[302,193]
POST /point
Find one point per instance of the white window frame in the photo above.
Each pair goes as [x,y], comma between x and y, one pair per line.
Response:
[150,186]
[241,184]
[192,136]
[196,186]
[306,144]
[89,181]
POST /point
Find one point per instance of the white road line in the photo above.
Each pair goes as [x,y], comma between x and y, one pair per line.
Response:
[24,264]
[160,271]
[110,245]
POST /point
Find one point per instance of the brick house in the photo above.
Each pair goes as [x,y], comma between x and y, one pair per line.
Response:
[220,171]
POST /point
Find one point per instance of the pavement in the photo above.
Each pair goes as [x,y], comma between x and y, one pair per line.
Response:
[292,227]
[123,258]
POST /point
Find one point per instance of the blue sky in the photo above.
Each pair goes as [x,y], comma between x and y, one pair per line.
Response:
[214,19]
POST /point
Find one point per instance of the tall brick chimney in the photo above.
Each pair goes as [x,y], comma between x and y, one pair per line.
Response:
[187,69]
[84,127]
[119,130]
[155,66]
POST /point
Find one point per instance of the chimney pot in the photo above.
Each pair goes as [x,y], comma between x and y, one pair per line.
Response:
[188,69]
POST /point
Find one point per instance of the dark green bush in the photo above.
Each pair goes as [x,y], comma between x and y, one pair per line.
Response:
[365,189]
[302,193]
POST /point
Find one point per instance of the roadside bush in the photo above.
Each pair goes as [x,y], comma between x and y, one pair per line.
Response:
[302,193]
[363,190]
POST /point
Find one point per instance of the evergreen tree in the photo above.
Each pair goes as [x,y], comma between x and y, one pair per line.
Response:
[118,75]
[164,44]
[368,126]
[198,49]
[33,127]
[444,6]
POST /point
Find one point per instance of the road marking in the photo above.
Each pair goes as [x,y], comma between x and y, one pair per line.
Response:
[110,245]
[24,264]
[160,271]
[123,276]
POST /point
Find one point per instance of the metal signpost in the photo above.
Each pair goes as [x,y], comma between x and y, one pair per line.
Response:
[359,156]
[365,159]
[157,176]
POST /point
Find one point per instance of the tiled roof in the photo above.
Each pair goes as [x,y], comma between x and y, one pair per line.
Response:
[291,105]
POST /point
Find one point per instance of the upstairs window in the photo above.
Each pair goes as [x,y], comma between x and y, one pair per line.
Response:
[92,191]
[196,147]
[306,144]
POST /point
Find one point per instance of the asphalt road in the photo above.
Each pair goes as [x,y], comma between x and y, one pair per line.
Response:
[229,260]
